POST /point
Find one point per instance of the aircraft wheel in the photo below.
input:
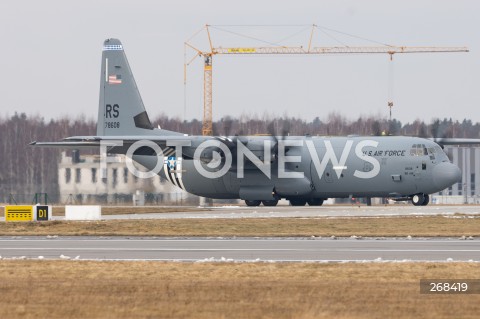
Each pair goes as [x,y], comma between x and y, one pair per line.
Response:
[298,202]
[426,200]
[315,202]
[272,202]
[418,199]
[253,202]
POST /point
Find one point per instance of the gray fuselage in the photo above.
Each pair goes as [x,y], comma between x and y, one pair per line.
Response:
[322,167]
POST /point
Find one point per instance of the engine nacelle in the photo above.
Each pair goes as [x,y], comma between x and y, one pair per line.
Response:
[258,148]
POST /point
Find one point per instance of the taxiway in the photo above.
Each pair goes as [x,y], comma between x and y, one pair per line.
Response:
[309,212]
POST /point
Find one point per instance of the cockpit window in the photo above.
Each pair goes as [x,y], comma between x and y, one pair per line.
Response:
[442,156]
[418,150]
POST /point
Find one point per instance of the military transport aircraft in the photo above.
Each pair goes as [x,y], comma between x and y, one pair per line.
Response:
[260,169]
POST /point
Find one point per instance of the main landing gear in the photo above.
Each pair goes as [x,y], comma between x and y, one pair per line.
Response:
[298,202]
[315,202]
[253,202]
[420,199]
[293,202]
[272,202]
[303,202]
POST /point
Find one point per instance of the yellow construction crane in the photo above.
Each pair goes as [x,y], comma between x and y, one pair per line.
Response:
[289,50]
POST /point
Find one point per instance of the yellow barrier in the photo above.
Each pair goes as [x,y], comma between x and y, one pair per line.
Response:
[18,213]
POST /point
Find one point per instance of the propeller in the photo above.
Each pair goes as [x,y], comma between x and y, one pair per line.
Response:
[272,132]
[441,135]
[214,156]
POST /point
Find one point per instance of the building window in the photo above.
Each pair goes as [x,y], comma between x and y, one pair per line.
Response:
[78,175]
[104,176]
[125,175]
[68,175]
[94,175]
[114,176]
[472,184]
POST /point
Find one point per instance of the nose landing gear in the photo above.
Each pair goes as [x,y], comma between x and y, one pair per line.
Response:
[420,199]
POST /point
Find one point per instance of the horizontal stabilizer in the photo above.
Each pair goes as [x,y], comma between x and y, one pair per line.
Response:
[73,145]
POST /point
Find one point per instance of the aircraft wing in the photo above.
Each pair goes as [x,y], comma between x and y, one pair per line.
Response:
[122,143]
[97,141]
[456,141]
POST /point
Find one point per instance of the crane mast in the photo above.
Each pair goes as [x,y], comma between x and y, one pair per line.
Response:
[207,128]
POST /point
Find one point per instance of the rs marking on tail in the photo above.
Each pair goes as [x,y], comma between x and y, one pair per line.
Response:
[112,111]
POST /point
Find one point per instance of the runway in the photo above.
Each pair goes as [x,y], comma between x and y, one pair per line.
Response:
[241,249]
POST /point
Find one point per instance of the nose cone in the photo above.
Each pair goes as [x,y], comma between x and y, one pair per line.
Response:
[445,175]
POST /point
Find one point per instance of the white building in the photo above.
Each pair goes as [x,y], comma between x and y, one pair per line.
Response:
[80,180]
[468,190]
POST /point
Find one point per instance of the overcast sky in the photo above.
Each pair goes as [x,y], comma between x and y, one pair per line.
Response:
[51,49]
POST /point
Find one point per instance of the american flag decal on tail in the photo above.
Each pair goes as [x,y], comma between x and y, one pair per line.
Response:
[115,79]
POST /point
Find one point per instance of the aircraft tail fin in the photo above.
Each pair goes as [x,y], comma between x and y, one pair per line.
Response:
[121,110]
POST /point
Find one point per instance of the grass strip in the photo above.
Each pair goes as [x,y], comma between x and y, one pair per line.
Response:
[88,289]
[419,226]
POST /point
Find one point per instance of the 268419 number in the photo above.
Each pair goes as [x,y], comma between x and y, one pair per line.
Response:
[449,286]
